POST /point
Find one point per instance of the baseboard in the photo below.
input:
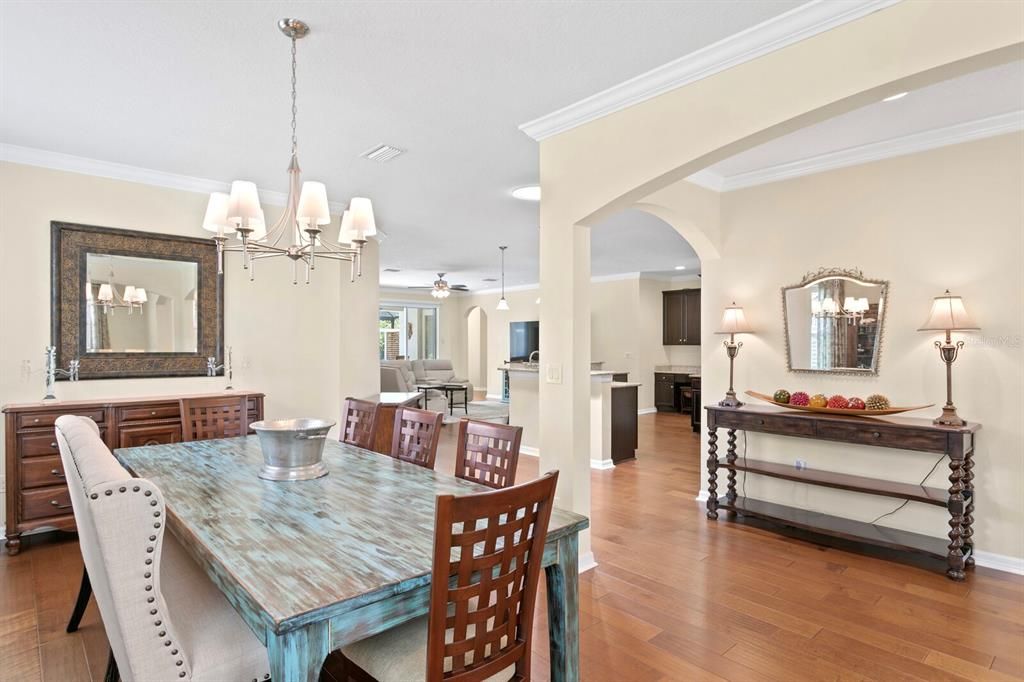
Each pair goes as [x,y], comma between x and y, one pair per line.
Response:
[587,562]
[998,562]
[647,410]
[493,397]
[527,450]
[602,464]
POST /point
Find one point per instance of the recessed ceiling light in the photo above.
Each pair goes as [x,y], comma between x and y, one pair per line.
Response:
[527,193]
[680,267]
[893,98]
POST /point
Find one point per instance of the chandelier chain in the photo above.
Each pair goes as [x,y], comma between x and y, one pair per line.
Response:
[295,108]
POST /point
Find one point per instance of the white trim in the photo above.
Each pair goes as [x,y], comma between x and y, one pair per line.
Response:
[647,410]
[529,450]
[587,562]
[702,496]
[615,278]
[708,180]
[602,464]
[42,158]
[875,151]
[498,398]
[798,24]
[1000,562]
[536,286]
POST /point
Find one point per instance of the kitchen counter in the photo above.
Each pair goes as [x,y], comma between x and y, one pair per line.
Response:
[692,370]
[536,370]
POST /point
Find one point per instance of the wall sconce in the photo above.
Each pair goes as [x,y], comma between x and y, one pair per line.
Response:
[733,322]
[948,315]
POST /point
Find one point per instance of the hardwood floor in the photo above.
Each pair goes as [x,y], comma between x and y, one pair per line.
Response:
[675,596]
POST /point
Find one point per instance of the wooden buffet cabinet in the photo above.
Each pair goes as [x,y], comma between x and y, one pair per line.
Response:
[37,495]
[956,443]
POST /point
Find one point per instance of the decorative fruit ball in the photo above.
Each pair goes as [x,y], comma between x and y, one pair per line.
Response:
[856,404]
[877,401]
[818,400]
[781,396]
[838,402]
[799,398]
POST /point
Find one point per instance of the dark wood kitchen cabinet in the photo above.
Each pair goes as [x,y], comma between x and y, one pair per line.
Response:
[681,317]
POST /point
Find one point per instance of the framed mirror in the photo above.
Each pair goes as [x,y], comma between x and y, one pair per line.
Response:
[134,304]
[834,320]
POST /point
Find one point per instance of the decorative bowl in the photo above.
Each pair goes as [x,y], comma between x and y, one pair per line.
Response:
[293,449]
[834,410]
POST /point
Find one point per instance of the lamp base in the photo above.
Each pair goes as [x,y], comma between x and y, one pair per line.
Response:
[730,400]
[949,417]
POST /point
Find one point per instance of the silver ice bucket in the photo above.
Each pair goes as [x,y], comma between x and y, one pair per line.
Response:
[293,449]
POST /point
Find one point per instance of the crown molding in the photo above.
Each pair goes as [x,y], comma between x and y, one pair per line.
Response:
[536,285]
[42,158]
[798,24]
[899,146]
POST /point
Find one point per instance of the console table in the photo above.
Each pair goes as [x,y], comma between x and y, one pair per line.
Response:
[37,494]
[888,432]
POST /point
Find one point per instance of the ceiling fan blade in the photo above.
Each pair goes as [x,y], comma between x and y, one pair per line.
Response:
[459,287]
[430,287]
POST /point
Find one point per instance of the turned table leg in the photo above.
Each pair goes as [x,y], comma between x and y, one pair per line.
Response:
[955,556]
[730,460]
[968,535]
[712,463]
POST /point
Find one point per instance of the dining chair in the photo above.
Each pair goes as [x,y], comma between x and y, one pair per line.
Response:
[217,417]
[488,453]
[416,435]
[487,563]
[163,617]
[359,423]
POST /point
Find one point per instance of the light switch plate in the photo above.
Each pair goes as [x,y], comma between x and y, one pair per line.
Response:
[554,374]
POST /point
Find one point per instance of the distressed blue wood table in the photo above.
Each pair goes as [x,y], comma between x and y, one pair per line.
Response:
[312,566]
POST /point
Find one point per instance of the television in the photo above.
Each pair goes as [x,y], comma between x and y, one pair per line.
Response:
[523,339]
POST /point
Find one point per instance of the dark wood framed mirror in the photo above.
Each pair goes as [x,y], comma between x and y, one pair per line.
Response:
[134,304]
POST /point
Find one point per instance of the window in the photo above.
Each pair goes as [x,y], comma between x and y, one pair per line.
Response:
[407,331]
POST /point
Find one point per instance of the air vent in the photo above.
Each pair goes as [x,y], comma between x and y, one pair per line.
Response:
[391,270]
[382,153]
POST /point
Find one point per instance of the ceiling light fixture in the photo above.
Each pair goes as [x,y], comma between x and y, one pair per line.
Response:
[893,98]
[527,193]
[296,234]
[680,267]
[502,302]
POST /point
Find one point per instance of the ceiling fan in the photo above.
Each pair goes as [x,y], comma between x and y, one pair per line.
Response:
[441,289]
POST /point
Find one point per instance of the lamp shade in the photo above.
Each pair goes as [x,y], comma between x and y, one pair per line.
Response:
[948,314]
[106,293]
[313,210]
[361,214]
[216,218]
[243,203]
[502,304]
[129,294]
[140,296]
[345,234]
[734,321]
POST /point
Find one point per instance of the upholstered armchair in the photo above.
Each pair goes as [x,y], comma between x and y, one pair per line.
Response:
[398,376]
[163,617]
[440,371]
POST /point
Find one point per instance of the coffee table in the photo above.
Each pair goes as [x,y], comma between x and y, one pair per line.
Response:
[427,388]
[450,390]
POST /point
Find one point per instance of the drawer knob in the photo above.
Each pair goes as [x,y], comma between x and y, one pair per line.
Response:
[36,420]
[153,413]
[761,422]
[58,505]
[876,434]
[57,472]
[53,445]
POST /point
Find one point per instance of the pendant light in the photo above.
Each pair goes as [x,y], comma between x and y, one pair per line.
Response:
[502,303]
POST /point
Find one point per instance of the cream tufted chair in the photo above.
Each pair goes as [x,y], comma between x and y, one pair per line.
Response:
[164,619]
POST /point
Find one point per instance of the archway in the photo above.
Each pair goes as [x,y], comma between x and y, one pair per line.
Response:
[476,347]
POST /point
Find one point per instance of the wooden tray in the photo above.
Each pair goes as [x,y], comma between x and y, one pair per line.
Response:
[833,410]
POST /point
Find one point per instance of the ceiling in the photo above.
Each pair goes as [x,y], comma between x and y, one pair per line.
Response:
[973,97]
[201,89]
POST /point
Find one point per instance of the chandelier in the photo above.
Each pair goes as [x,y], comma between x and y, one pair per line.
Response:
[297,233]
[852,308]
[108,299]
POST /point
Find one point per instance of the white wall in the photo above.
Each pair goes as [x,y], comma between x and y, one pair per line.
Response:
[298,344]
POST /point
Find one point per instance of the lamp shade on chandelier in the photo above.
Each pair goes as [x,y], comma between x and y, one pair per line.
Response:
[297,234]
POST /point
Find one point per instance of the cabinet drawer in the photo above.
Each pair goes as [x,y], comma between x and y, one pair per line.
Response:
[37,444]
[166,411]
[887,437]
[43,419]
[766,423]
[149,434]
[38,504]
[41,471]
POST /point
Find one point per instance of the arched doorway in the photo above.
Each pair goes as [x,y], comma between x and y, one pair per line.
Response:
[476,346]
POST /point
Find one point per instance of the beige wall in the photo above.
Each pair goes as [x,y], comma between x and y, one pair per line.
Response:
[451,325]
[301,345]
[950,217]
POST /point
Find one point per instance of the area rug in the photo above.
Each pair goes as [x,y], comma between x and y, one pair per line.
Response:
[485,410]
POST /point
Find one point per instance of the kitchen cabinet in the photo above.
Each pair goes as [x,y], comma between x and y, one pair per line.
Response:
[681,317]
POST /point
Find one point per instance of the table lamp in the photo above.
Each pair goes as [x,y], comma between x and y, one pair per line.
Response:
[733,322]
[948,315]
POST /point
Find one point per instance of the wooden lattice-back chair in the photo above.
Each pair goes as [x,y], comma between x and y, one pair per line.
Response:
[416,435]
[487,563]
[488,453]
[359,422]
[216,417]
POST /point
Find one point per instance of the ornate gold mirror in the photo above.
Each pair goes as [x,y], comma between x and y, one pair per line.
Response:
[134,304]
[834,320]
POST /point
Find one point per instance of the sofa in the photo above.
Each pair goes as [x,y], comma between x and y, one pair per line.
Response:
[402,376]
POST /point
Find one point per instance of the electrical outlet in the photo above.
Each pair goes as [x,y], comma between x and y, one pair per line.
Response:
[801,464]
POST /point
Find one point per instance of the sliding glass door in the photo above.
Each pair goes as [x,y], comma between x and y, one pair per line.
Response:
[407,331]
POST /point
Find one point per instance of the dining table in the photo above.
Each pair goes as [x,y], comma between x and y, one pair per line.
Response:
[312,566]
